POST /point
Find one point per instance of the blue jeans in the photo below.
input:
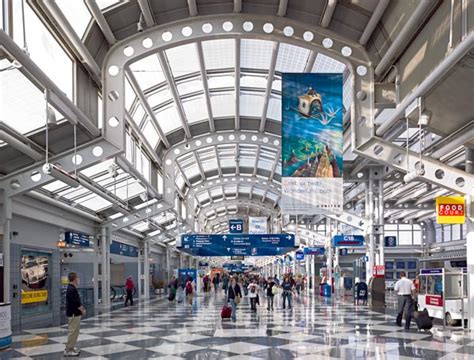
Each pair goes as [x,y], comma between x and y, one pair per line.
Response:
[234,309]
[287,295]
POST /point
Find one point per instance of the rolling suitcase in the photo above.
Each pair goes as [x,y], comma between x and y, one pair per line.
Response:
[422,320]
[226,312]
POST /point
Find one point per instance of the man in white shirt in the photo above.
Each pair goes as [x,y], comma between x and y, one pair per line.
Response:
[405,289]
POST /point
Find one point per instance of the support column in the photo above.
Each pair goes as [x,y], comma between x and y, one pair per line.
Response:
[381,222]
[105,267]
[96,273]
[6,217]
[146,270]
[470,241]
[168,265]
[369,208]
[140,271]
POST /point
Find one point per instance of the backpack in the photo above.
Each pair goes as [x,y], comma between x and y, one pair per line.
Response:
[189,288]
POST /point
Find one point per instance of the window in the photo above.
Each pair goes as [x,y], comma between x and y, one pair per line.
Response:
[77,15]
[43,48]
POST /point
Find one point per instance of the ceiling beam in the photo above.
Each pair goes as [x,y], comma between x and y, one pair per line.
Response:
[147,13]
[268,90]
[174,92]
[282,7]
[205,85]
[193,11]
[101,21]
[373,21]
[237,6]
[328,13]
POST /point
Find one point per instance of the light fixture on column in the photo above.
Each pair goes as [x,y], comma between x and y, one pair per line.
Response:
[412,175]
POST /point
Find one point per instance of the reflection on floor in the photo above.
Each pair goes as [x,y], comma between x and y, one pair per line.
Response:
[314,329]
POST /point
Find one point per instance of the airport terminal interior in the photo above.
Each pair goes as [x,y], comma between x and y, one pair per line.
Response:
[237,179]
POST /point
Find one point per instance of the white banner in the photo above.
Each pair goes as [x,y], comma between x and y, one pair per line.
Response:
[5,325]
[258,225]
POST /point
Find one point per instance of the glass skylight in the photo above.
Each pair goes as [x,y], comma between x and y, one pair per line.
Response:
[255,54]
[223,104]
[195,109]
[274,108]
[291,58]
[148,72]
[159,97]
[151,134]
[189,86]
[221,81]
[251,104]
[219,54]
[183,59]
[77,14]
[168,119]
[325,64]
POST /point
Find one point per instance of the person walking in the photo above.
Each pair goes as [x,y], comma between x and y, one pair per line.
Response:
[234,295]
[270,294]
[405,290]
[287,291]
[253,293]
[74,312]
[189,289]
[129,286]
[215,282]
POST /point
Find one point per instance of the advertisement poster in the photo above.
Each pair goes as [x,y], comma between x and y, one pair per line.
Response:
[312,142]
[258,225]
[34,278]
[5,325]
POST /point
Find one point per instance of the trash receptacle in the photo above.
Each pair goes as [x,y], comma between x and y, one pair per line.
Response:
[327,290]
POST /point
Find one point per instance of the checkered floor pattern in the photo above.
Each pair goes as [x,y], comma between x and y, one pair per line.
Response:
[314,329]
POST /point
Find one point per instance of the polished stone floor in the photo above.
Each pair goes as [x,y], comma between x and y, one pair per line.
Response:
[315,329]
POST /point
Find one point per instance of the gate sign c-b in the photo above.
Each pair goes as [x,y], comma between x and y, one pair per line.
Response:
[236,226]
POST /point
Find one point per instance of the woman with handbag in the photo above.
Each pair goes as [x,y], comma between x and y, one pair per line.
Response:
[233,297]
[272,289]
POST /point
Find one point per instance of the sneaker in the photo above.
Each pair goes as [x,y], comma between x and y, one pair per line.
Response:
[77,350]
[71,353]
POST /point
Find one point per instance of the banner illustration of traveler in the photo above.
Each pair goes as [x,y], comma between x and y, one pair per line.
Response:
[312,142]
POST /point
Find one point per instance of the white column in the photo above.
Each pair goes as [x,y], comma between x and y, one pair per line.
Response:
[105,262]
[369,206]
[140,272]
[330,251]
[146,270]
[470,241]
[96,274]
[381,221]
[6,217]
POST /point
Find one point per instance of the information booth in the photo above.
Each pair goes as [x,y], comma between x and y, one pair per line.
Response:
[443,293]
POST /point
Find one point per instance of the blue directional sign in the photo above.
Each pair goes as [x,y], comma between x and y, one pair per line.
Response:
[299,255]
[203,264]
[390,241]
[231,267]
[186,273]
[237,245]
[78,239]
[236,226]
[343,252]
[365,258]
[348,240]
[314,251]
[123,249]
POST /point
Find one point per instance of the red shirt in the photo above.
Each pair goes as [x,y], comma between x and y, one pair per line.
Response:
[129,284]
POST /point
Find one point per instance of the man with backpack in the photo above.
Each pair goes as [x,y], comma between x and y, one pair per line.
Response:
[189,289]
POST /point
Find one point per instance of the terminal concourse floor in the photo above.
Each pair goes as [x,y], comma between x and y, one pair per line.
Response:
[314,329]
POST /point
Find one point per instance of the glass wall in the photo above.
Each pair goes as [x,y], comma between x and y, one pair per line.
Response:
[446,233]
[406,234]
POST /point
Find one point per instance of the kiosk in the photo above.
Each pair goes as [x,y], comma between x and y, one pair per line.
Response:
[443,293]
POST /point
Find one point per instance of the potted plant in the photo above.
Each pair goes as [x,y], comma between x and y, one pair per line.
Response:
[159,286]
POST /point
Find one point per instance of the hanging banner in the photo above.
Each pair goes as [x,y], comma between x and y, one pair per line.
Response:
[258,225]
[312,141]
[450,210]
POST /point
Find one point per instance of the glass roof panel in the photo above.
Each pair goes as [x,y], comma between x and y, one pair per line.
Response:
[148,72]
[251,104]
[151,134]
[253,81]
[291,58]
[189,86]
[221,81]
[347,92]
[223,104]
[98,168]
[95,203]
[274,108]
[255,54]
[168,118]
[54,186]
[183,59]
[21,116]
[219,54]
[326,64]
[126,191]
[106,3]
[138,114]
[77,15]
[159,97]
[130,95]
[195,109]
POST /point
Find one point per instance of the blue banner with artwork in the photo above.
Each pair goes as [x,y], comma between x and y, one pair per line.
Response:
[312,142]
[237,244]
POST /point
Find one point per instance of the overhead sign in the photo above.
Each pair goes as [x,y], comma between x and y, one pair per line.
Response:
[237,245]
[230,267]
[186,273]
[299,255]
[431,271]
[312,142]
[343,252]
[77,239]
[348,240]
[365,258]
[236,226]
[203,264]
[390,241]
[119,248]
[450,210]
[314,251]
[258,225]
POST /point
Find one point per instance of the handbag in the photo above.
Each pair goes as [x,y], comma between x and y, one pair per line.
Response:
[237,300]
[274,290]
